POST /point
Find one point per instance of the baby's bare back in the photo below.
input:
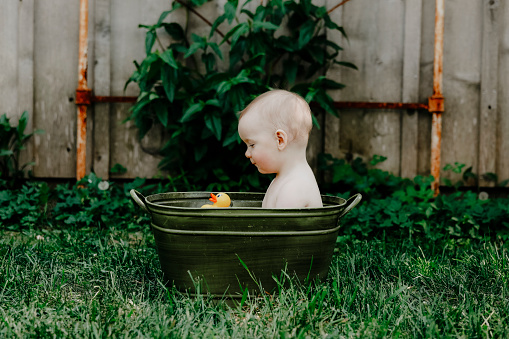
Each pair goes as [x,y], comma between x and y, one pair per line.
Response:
[297,189]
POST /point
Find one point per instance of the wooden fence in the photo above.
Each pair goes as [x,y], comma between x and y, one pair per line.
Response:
[390,41]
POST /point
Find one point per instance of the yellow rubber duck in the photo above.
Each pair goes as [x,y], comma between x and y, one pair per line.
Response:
[219,200]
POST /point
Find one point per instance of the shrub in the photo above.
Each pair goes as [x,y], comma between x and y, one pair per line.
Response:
[182,88]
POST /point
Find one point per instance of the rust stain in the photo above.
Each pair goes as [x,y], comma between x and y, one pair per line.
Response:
[379,105]
[86,97]
[81,142]
[103,99]
[436,101]
[436,141]
[82,92]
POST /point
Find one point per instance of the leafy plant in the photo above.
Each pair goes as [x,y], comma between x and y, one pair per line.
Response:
[184,88]
[12,141]
[25,207]
[469,176]
[404,208]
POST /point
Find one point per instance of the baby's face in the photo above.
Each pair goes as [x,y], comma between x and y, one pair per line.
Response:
[261,143]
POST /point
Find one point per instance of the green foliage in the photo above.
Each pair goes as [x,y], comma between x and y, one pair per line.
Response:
[24,207]
[12,141]
[185,90]
[402,208]
[469,177]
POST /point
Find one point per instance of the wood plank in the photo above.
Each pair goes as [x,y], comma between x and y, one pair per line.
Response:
[9,60]
[102,86]
[503,99]
[411,62]
[55,81]
[489,86]
[426,86]
[375,45]
[127,40]
[461,79]
[26,71]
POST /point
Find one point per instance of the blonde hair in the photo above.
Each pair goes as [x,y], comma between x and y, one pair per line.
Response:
[284,110]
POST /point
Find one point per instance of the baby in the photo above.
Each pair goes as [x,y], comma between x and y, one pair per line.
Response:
[275,127]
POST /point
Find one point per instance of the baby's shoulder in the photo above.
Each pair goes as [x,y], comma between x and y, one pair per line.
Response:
[301,192]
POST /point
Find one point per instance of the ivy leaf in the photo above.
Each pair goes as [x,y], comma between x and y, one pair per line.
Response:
[232,136]
[326,102]
[224,87]
[315,121]
[237,31]
[264,25]
[247,12]
[161,112]
[286,43]
[306,33]
[332,25]
[169,77]
[191,111]
[150,39]
[216,24]
[216,49]
[331,84]
[22,124]
[346,64]
[167,57]
[175,31]
[209,60]
[230,10]
[193,49]
[213,102]
[317,53]
[162,17]
[213,123]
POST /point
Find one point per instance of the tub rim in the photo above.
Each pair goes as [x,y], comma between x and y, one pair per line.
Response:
[147,204]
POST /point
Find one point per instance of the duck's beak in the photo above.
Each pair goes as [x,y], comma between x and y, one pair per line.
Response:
[213,198]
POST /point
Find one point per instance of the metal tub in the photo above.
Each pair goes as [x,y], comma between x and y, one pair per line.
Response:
[223,251]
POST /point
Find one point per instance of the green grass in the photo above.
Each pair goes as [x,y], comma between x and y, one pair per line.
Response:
[107,283]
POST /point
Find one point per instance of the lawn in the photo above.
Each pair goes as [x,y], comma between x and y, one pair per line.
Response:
[80,261]
[107,283]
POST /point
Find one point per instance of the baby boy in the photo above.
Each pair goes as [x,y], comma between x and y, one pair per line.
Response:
[275,127]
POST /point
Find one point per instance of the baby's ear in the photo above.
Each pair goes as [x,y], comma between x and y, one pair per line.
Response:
[282,139]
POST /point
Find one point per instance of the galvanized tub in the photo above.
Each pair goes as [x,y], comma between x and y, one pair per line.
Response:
[223,251]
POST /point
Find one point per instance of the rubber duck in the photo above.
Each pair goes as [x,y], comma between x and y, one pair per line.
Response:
[219,200]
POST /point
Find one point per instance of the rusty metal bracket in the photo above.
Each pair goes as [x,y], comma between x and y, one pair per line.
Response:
[87,97]
[380,105]
[83,96]
[436,104]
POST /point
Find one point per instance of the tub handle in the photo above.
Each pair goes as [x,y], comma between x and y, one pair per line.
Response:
[350,204]
[136,196]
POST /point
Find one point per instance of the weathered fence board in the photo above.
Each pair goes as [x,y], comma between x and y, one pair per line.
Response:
[462,71]
[25,36]
[503,96]
[55,82]
[410,88]
[426,86]
[8,58]
[102,87]
[127,45]
[375,45]
[489,90]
